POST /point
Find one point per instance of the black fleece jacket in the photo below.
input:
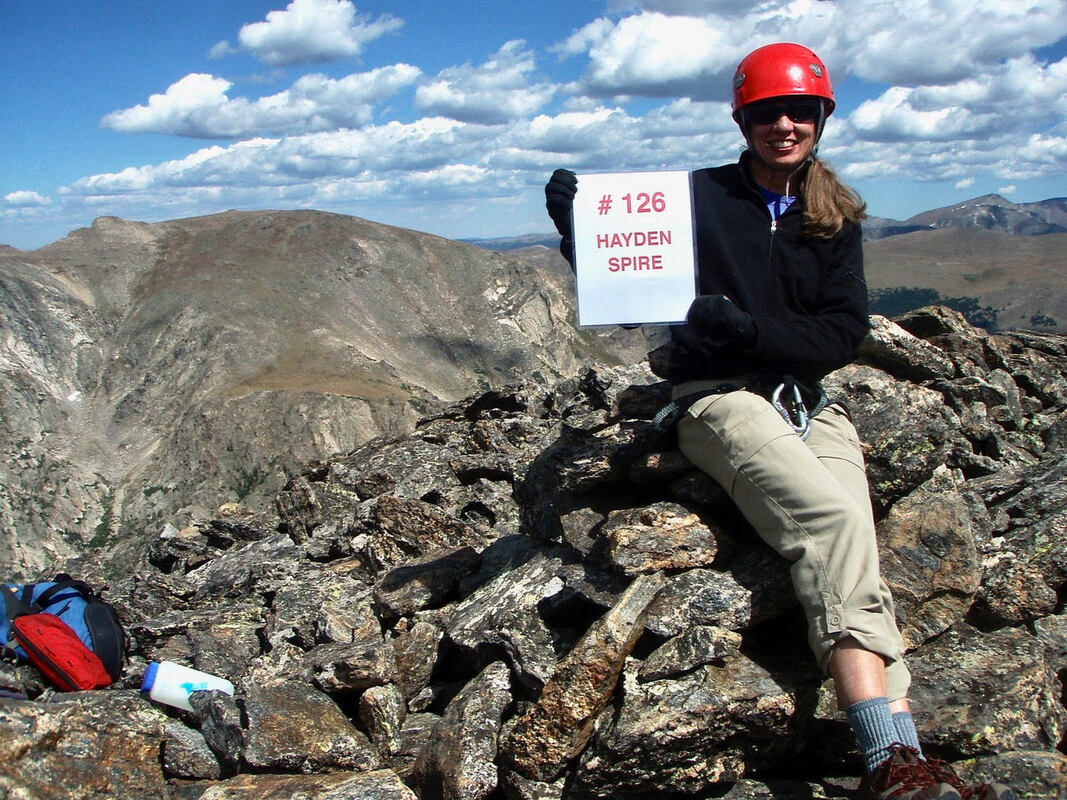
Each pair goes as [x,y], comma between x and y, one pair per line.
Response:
[807,296]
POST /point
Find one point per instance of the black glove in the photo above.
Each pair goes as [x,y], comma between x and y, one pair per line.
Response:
[559,199]
[713,316]
[662,360]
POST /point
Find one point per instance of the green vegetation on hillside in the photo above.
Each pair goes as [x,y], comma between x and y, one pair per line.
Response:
[899,300]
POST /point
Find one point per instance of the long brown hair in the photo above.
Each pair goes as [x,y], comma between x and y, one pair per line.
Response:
[828,203]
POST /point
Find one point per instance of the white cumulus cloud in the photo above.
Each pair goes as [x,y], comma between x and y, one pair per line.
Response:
[690,47]
[893,117]
[501,89]
[1035,156]
[954,92]
[25,199]
[916,42]
[198,106]
[1018,92]
[686,7]
[656,55]
[178,110]
[310,31]
[435,157]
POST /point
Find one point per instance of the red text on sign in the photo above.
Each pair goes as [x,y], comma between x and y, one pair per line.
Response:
[644,203]
[633,239]
[634,263]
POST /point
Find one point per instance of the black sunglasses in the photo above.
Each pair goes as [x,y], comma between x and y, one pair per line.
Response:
[796,110]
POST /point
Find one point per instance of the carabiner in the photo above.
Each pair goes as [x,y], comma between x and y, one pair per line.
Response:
[801,422]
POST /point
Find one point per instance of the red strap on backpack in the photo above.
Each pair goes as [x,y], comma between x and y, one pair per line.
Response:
[55,649]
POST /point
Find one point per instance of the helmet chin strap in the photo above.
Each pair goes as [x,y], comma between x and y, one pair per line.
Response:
[789,178]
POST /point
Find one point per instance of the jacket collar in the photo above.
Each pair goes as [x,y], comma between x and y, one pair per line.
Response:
[745,164]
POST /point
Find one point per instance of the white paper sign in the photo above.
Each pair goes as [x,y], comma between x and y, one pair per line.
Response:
[633,248]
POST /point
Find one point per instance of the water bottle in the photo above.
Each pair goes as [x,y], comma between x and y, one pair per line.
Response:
[170,683]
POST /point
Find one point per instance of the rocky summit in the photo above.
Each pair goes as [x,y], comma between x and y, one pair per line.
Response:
[533,596]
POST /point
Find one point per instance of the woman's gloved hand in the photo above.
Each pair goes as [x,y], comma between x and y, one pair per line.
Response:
[559,200]
[713,316]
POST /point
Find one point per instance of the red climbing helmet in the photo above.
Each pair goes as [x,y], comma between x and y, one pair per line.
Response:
[775,70]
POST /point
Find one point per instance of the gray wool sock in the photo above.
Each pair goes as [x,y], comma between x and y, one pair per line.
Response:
[872,723]
[906,733]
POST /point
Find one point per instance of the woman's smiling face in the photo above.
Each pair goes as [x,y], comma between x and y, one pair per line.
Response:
[782,133]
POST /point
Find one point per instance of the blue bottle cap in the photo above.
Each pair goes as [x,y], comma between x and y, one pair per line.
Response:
[149,677]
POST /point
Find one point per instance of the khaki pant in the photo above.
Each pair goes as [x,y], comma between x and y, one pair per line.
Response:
[808,500]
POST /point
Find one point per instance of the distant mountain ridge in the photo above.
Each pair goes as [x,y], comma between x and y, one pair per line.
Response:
[506,243]
[987,212]
[151,372]
[1002,264]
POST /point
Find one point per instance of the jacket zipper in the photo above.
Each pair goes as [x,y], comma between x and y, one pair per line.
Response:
[774,220]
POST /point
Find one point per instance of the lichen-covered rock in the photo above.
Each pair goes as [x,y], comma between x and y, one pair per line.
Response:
[558,726]
[501,619]
[93,745]
[377,785]
[906,430]
[425,582]
[903,355]
[975,694]
[219,721]
[929,558]
[458,762]
[710,726]
[416,653]
[293,727]
[398,531]
[382,712]
[1031,773]
[692,648]
[353,666]
[185,754]
[1025,575]
[700,597]
[663,536]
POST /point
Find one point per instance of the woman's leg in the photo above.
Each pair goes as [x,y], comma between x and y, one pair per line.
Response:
[836,444]
[800,508]
[809,501]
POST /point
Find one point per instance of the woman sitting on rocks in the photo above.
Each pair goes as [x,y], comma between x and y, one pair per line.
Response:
[782,302]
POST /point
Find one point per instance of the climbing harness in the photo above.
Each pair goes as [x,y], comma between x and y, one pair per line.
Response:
[669,415]
[787,399]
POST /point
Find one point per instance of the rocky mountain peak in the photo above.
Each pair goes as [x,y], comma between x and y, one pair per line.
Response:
[152,372]
[993,212]
[532,595]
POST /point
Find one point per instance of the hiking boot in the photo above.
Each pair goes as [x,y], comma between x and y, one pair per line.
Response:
[906,776]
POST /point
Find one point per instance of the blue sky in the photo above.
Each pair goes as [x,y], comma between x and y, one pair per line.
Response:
[447,117]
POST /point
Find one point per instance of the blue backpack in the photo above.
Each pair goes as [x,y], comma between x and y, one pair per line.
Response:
[75,603]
